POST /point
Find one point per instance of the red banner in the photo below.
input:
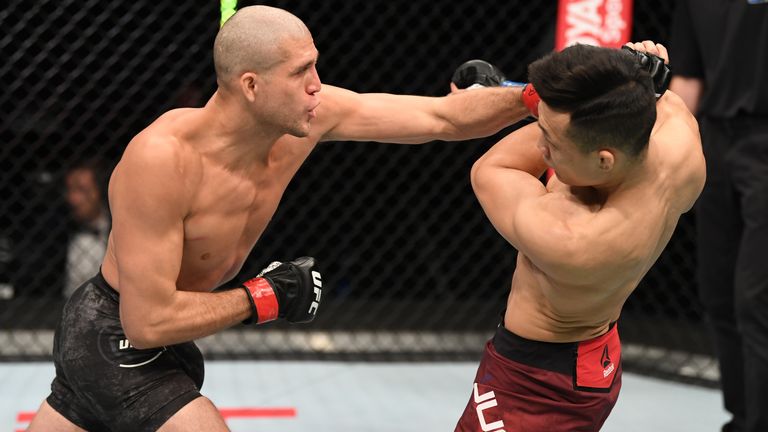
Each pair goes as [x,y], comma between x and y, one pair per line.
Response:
[605,23]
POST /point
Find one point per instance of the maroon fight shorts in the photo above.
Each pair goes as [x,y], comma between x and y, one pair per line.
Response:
[525,385]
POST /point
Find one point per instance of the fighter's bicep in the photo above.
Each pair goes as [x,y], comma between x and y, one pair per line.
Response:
[506,195]
[148,241]
[679,139]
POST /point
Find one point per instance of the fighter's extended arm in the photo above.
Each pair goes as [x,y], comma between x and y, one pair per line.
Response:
[416,119]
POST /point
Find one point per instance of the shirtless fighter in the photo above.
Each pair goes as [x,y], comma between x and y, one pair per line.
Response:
[626,167]
[191,196]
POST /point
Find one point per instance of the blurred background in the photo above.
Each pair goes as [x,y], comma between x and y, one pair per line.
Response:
[416,272]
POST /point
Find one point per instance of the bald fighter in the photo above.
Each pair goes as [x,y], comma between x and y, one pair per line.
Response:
[626,167]
[190,197]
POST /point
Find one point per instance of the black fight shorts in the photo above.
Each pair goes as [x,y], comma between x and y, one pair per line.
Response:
[102,383]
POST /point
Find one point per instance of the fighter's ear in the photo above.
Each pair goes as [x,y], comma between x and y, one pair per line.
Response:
[249,85]
[606,159]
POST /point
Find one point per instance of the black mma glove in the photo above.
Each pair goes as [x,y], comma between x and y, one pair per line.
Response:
[480,73]
[290,290]
[655,66]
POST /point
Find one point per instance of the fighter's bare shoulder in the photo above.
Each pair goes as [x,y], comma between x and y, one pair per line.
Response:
[158,157]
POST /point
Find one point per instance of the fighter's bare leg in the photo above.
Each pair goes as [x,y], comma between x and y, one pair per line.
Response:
[200,415]
[48,419]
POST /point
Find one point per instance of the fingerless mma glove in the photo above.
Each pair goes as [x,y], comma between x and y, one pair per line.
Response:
[290,290]
[655,66]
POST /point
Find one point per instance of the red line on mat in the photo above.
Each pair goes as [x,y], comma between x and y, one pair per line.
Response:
[25,416]
[257,412]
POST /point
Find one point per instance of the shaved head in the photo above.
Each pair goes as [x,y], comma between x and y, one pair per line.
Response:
[250,41]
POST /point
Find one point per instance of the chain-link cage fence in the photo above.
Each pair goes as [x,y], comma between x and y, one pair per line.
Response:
[415,269]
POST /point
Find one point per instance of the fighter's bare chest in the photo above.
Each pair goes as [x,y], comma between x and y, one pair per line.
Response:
[227,219]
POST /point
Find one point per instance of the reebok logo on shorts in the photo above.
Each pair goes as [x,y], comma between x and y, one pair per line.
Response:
[606,362]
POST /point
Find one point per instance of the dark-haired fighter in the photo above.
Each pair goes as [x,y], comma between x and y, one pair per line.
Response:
[626,167]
